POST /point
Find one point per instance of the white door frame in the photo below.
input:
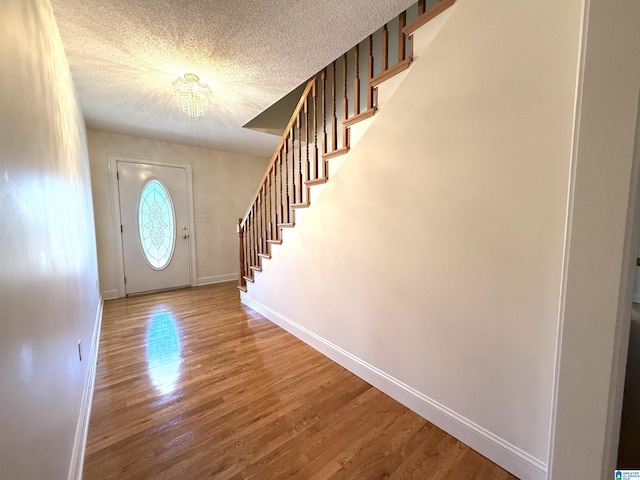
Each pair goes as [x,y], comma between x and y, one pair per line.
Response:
[603,224]
[115,215]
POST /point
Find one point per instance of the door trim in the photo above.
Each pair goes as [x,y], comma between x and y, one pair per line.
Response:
[116,220]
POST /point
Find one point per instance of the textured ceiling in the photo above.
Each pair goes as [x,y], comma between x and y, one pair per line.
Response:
[124,54]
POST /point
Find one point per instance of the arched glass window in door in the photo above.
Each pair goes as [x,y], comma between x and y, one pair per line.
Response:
[156,223]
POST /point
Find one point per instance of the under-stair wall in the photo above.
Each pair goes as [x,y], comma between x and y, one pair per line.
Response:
[431,263]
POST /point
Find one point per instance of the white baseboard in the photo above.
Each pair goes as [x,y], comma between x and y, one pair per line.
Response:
[217,279]
[498,450]
[82,427]
[110,294]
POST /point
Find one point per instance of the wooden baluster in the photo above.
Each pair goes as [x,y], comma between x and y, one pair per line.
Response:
[276,198]
[314,94]
[279,187]
[265,217]
[314,126]
[385,48]
[306,137]
[241,280]
[291,165]
[250,241]
[270,204]
[263,221]
[258,228]
[254,237]
[267,209]
[294,162]
[292,170]
[300,177]
[334,119]
[260,225]
[274,212]
[247,240]
[370,74]
[285,219]
[345,103]
[251,236]
[275,204]
[247,249]
[244,249]
[356,84]
[261,209]
[402,39]
[281,192]
[324,112]
[421,7]
[281,196]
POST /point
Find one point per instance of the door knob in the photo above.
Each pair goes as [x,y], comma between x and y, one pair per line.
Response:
[185,236]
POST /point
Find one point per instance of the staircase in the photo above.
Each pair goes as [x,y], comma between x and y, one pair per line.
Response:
[322,129]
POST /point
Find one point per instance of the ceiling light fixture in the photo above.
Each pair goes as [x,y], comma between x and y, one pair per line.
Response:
[191,95]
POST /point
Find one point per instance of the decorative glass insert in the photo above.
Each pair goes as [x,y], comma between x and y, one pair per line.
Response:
[156,224]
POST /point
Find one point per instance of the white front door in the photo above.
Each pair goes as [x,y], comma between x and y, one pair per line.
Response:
[155,226]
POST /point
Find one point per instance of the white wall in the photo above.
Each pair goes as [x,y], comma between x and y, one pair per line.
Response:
[223,185]
[600,255]
[435,254]
[48,269]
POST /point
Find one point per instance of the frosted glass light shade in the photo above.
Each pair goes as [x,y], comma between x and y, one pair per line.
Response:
[191,95]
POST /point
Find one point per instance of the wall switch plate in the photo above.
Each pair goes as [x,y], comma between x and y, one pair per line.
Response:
[202,218]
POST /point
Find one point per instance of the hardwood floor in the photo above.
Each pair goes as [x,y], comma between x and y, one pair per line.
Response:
[193,385]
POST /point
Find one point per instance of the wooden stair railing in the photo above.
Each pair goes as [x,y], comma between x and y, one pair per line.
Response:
[318,130]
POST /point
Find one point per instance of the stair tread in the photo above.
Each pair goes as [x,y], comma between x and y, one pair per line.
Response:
[335,153]
[390,72]
[248,279]
[359,117]
[300,205]
[426,16]
[317,181]
[287,225]
[243,288]
[275,242]
[256,268]
[265,255]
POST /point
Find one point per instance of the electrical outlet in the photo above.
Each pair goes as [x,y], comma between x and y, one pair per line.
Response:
[80,349]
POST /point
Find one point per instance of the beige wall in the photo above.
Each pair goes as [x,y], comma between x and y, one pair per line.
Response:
[435,254]
[223,185]
[48,269]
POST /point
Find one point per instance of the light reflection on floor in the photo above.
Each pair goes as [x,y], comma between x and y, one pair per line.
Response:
[163,351]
